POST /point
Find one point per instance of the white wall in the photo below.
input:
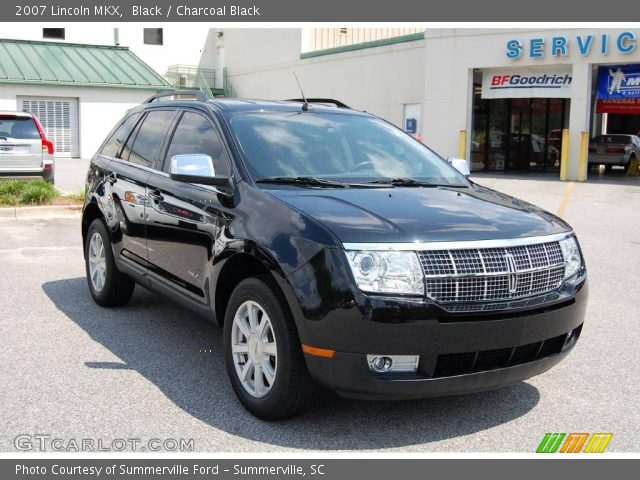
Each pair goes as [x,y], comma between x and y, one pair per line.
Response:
[99,108]
[450,55]
[187,44]
[379,80]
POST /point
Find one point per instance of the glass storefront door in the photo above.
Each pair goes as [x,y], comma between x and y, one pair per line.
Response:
[517,133]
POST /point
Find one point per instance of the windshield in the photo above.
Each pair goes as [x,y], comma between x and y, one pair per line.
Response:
[345,148]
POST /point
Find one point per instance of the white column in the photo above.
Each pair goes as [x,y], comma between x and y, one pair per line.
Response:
[579,114]
[469,115]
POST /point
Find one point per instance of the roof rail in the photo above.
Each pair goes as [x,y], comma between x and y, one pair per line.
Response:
[325,101]
[178,95]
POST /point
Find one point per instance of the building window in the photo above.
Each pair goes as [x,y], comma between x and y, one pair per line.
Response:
[55,33]
[153,36]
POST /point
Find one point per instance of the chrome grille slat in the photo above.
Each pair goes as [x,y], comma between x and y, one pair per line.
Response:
[483,274]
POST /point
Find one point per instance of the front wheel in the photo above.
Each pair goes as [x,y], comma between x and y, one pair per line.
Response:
[262,352]
[108,286]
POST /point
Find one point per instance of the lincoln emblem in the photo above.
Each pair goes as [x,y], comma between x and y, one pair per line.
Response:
[513,276]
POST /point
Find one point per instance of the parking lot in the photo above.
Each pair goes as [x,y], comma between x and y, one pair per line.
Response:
[73,370]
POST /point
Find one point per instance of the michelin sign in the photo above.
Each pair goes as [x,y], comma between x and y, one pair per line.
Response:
[535,82]
[618,89]
[618,81]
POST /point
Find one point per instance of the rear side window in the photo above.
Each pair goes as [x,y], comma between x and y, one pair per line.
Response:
[19,128]
[623,139]
[196,134]
[147,142]
[117,139]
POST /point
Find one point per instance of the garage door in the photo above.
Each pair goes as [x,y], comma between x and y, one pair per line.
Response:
[59,118]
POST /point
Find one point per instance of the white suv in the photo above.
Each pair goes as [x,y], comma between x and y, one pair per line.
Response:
[24,148]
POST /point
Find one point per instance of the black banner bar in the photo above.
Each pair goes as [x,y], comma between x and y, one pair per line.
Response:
[323,469]
[316,11]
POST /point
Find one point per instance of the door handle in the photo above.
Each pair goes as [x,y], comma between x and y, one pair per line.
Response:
[156,195]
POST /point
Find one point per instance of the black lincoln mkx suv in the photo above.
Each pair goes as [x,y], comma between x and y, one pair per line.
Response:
[333,249]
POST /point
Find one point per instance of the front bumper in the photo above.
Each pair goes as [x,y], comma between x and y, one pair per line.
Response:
[458,354]
[348,374]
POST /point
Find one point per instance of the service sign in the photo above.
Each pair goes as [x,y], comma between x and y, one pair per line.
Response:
[535,82]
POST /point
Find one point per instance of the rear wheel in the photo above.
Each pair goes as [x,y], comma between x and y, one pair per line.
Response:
[108,286]
[262,352]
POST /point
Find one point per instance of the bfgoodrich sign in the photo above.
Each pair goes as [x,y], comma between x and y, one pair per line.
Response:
[541,82]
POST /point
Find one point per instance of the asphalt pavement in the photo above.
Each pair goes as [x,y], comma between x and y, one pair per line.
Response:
[72,370]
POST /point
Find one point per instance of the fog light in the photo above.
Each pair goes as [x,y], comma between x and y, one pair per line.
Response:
[381,364]
[393,363]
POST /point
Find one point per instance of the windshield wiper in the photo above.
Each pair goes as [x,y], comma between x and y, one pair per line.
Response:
[405,182]
[311,181]
[411,182]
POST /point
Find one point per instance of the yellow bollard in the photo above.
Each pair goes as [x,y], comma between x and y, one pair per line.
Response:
[584,151]
[462,149]
[564,155]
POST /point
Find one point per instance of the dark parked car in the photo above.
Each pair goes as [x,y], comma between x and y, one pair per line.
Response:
[24,148]
[333,249]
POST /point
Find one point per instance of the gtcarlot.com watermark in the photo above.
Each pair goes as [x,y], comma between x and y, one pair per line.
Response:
[42,442]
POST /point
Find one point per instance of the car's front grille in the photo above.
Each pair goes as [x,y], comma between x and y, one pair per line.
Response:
[492,274]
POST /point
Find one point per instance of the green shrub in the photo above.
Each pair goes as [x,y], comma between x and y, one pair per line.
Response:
[8,200]
[37,192]
[11,187]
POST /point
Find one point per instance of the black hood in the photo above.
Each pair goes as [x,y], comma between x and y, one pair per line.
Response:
[410,214]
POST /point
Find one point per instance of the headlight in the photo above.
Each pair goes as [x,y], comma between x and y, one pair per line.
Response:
[387,272]
[571,254]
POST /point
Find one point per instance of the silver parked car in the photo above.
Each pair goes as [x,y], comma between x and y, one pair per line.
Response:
[614,149]
[24,147]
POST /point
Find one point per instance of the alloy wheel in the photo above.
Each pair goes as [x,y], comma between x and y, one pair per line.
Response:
[97,262]
[253,347]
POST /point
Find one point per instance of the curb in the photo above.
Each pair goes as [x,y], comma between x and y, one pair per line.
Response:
[42,212]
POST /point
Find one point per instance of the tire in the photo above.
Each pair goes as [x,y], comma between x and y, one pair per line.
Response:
[292,388]
[116,288]
[608,168]
[50,177]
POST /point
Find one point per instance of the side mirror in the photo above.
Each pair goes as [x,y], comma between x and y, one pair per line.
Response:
[461,165]
[195,168]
